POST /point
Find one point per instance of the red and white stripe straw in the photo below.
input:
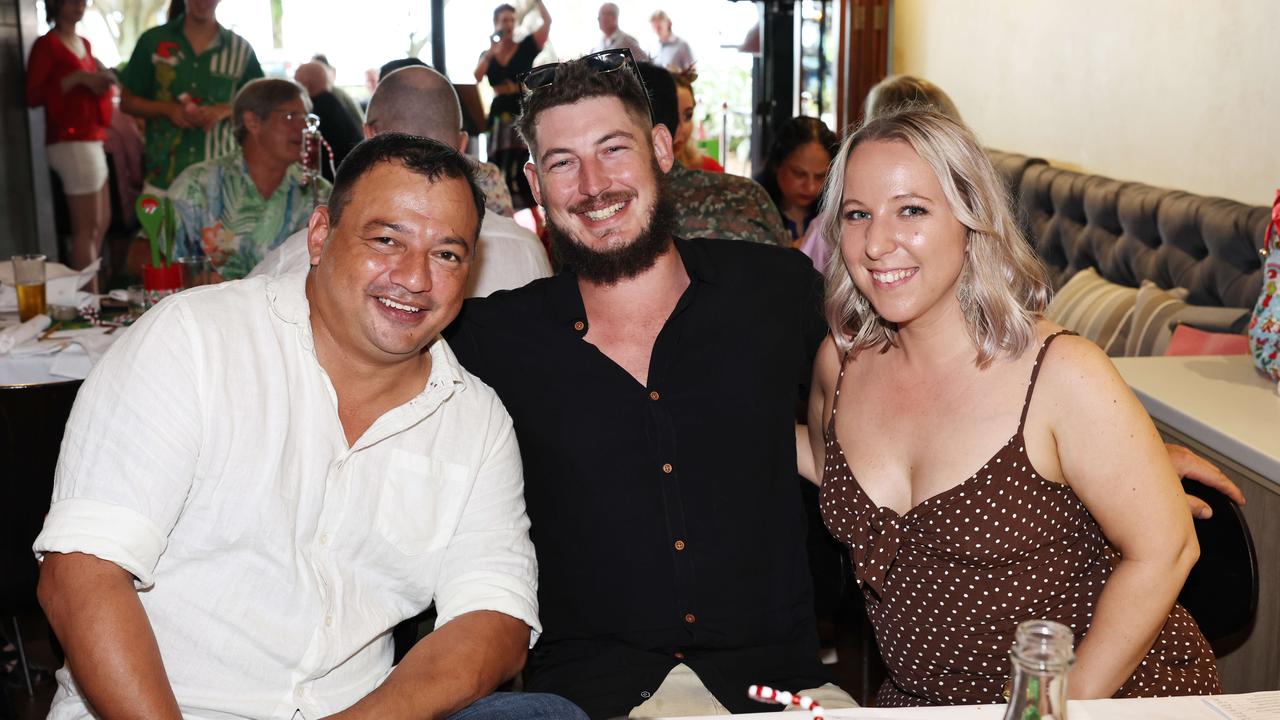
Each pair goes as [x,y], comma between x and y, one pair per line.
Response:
[782,697]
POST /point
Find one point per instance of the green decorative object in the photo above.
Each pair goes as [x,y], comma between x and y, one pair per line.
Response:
[159,223]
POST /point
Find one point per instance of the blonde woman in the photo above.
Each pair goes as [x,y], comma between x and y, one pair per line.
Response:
[983,467]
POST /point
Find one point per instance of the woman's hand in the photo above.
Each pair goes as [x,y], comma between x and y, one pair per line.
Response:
[177,115]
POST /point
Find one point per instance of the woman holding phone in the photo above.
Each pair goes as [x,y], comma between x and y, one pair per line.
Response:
[504,62]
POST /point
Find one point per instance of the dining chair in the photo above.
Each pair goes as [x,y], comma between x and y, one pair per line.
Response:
[1221,592]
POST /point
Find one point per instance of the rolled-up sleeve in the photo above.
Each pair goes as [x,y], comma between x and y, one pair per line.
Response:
[130,447]
[490,562]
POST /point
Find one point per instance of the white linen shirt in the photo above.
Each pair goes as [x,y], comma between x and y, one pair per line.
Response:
[205,456]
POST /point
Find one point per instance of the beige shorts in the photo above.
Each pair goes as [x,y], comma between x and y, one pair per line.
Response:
[81,165]
[682,693]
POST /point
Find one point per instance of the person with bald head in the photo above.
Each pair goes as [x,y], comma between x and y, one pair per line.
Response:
[419,101]
[614,37]
[339,128]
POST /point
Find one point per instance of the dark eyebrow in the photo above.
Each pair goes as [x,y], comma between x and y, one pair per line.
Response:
[606,138]
[376,225]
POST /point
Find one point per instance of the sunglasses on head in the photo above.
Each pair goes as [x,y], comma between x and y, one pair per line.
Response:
[605,61]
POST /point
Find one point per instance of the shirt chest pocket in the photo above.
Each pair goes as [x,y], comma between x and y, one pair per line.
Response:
[421,501]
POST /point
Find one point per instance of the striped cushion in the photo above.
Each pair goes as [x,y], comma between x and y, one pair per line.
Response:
[1154,309]
[1095,308]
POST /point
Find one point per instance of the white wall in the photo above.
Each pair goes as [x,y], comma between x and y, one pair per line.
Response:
[1174,93]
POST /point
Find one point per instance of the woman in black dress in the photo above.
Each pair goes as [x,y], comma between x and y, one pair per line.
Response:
[502,63]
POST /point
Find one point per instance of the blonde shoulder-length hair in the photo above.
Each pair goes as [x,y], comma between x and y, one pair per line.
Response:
[1003,288]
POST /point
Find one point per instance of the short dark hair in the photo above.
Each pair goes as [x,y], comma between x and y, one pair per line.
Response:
[792,134]
[322,59]
[504,7]
[662,95]
[576,81]
[423,156]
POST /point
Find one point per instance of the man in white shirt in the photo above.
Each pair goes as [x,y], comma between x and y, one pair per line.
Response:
[262,478]
[613,35]
[420,101]
[672,53]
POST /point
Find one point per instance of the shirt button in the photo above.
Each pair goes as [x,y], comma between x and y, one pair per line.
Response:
[689,618]
[679,545]
[324,539]
[679,656]
[298,692]
[328,621]
[579,326]
[666,468]
[653,395]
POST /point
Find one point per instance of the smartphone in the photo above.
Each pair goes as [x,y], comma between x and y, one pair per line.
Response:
[495,37]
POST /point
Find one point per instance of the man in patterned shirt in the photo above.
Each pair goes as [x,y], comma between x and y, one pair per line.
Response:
[711,205]
[238,207]
[180,80]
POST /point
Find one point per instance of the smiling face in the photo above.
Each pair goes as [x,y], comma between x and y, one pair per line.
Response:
[800,177]
[594,171]
[391,274]
[901,243]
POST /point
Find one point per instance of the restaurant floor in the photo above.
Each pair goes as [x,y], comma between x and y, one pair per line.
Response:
[852,672]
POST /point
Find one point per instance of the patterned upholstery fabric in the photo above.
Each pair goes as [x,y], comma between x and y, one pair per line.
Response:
[1133,232]
[1096,309]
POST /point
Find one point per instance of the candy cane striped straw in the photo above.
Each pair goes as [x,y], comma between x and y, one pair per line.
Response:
[782,697]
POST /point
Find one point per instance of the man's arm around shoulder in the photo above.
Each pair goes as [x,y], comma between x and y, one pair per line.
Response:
[111,650]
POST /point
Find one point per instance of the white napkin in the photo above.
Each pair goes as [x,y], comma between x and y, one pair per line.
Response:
[61,284]
[18,334]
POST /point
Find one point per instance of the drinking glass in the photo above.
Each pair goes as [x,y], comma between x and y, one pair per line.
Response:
[28,277]
[196,271]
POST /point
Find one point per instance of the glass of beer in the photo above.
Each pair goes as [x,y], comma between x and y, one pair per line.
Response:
[28,277]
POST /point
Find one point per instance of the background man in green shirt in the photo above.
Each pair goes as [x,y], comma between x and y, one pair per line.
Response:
[180,80]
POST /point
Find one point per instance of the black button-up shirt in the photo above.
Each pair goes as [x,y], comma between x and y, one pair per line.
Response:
[667,517]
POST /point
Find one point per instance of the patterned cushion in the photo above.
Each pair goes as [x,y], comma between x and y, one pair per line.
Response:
[1149,333]
[1095,308]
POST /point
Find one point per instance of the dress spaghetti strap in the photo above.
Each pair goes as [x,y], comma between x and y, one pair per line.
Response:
[835,401]
[1035,374]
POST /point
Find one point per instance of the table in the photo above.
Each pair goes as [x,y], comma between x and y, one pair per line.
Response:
[1219,401]
[1179,708]
[73,362]
[1223,409]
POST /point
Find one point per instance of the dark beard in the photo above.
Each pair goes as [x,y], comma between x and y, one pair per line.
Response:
[608,267]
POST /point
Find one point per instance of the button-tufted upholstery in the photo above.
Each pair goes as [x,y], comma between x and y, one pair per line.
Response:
[1131,232]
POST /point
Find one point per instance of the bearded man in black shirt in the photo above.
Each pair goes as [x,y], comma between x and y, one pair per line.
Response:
[653,384]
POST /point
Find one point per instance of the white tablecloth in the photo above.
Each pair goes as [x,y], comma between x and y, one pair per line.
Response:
[65,355]
[1251,706]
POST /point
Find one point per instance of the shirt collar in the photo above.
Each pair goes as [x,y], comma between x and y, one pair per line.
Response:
[566,300]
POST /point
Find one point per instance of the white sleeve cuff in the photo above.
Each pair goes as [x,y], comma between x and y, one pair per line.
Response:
[495,592]
[105,530]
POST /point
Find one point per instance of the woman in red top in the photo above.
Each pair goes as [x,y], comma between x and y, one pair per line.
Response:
[75,90]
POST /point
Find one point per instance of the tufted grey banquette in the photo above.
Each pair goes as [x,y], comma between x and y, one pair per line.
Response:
[1133,232]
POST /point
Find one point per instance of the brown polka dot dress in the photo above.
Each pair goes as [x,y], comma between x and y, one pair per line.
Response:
[947,583]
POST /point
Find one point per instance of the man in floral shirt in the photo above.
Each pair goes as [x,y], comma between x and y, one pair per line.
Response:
[180,80]
[238,207]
